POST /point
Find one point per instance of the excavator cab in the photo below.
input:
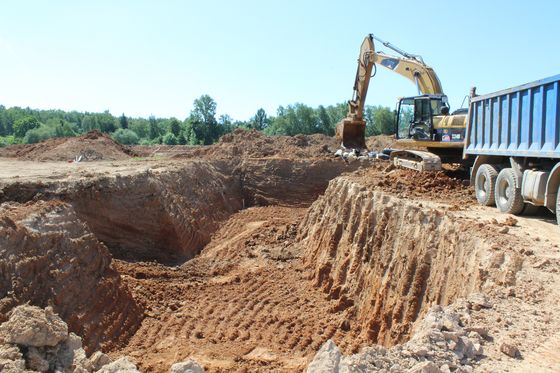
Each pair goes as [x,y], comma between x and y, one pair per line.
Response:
[416,116]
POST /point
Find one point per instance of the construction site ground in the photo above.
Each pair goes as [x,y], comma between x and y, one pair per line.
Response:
[250,254]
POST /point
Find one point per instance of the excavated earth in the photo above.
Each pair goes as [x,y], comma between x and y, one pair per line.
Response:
[250,258]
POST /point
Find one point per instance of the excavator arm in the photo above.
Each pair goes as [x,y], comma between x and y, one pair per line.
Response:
[351,130]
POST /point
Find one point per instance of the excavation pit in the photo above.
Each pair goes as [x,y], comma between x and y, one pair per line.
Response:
[256,264]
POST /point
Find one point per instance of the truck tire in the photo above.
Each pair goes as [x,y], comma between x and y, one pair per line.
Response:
[484,184]
[558,206]
[508,193]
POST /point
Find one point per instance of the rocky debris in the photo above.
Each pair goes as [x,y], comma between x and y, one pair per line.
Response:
[189,366]
[37,339]
[99,359]
[441,344]
[425,367]
[510,350]
[327,359]
[122,365]
[478,301]
[11,359]
[32,326]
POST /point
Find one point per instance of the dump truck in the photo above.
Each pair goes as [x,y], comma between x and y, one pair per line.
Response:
[514,137]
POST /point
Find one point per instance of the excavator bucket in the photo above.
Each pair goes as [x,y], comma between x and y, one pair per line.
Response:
[352,133]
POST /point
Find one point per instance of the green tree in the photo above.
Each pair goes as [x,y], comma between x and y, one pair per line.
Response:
[89,123]
[174,127]
[181,139]
[126,136]
[325,124]
[123,121]
[260,120]
[106,122]
[21,126]
[169,139]
[203,119]
[153,127]
[384,120]
[140,126]
[294,119]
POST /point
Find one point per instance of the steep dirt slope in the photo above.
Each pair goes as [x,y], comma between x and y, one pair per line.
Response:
[49,257]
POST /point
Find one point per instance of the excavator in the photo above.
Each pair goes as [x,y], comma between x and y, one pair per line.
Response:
[425,131]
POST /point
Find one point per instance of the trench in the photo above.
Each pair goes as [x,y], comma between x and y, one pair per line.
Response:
[257,263]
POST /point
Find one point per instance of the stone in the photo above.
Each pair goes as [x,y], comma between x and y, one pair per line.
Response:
[327,359]
[481,330]
[465,369]
[36,360]
[445,368]
[478,301]
[98,359]
[468,348]
[189,366]
[451,336]
[510,350]
[11,359]
[121,365]
[33,326]
[420,351]
[478,350]
[425,367]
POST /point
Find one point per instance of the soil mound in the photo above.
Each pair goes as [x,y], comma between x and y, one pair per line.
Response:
[92,146]
[443,186]
[243,143]
[380,142]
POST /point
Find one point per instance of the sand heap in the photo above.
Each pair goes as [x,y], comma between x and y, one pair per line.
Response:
[92,146]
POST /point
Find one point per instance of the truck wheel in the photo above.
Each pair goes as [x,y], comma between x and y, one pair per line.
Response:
[508,193]
[484,184]
[558,206]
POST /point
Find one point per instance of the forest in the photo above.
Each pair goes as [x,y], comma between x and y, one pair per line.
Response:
[201,127]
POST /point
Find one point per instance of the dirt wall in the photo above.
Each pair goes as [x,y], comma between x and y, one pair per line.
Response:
[387,260]
[49,257]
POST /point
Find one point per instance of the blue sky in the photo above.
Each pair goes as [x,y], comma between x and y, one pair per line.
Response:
[156,57]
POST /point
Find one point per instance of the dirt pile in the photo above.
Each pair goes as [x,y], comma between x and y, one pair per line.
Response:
[247,144]
[380,142]
[386,260]
[447,186]
[93,146]
[49,257]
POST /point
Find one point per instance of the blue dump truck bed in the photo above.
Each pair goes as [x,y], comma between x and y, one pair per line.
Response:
[522,121]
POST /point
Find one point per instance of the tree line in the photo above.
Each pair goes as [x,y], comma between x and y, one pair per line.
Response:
[201,127]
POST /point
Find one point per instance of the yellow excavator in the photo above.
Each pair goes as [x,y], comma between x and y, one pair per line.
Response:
[424,126]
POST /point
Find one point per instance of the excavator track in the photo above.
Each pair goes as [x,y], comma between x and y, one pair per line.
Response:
[416,160]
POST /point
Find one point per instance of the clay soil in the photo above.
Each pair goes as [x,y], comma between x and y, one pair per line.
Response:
[255,298]
[243,304]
